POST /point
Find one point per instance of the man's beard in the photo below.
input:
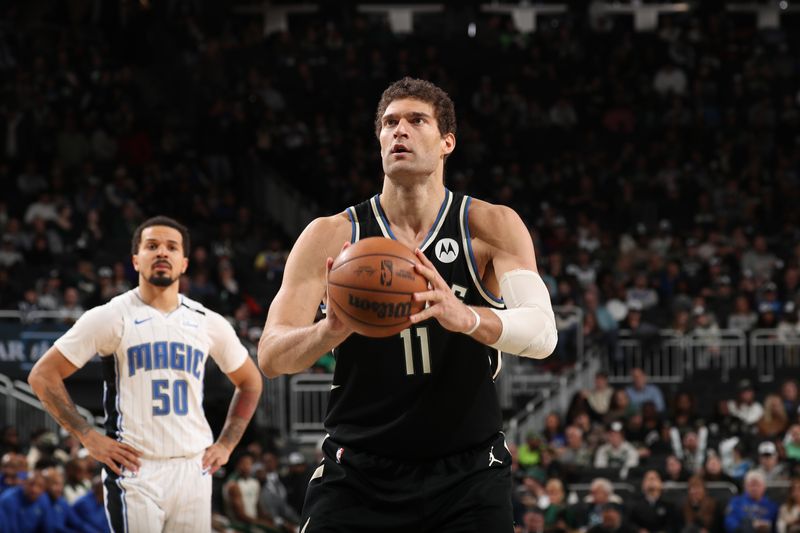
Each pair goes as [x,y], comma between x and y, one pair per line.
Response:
[162,280]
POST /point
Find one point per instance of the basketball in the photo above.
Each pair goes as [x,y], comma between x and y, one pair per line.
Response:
[371,286]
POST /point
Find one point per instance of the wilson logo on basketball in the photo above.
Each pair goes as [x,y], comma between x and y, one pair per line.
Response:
[386,273]
[380,309]
[446,250]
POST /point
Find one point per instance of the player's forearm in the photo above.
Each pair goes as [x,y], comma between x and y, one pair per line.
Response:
[243,405]
[56,401]
[288,350]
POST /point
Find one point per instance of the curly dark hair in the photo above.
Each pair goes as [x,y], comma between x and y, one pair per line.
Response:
[425,91]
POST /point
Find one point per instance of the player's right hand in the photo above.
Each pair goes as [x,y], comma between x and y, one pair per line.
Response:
[114,454]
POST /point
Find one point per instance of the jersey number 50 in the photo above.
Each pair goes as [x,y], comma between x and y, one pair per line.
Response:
[180,400]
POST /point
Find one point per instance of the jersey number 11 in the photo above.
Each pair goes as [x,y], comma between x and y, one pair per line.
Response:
[408,348]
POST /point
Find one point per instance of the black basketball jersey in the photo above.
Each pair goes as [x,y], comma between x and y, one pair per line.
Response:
[425,392]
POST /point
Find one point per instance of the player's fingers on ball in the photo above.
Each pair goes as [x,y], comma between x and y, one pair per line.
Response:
[425,296]
[423,315]
[424,260]
[426,272]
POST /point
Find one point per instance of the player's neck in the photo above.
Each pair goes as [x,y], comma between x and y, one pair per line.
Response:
[412,209]
[165,299]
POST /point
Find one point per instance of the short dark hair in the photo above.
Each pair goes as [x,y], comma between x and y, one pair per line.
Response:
[160,221]
[425,91]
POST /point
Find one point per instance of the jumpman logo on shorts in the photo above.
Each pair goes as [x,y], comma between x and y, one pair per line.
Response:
[492,458]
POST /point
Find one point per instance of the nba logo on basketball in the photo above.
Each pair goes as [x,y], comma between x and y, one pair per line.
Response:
[386,273]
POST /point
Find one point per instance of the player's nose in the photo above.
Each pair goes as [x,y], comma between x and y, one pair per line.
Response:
[402,128]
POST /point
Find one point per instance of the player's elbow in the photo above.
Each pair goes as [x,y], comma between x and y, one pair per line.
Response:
[543,345]
[266,359]
[37,380]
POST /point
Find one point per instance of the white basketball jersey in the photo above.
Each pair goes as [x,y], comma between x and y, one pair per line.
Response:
[153,365]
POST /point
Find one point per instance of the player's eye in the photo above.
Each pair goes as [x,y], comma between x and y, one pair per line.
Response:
[419,120]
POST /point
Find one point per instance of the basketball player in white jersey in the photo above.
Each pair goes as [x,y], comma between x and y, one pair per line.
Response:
[158,449]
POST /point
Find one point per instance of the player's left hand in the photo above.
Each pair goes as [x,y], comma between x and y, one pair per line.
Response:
[215,457]
[443,305]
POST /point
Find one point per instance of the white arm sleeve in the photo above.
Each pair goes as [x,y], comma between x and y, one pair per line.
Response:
[97,331]
[529,325]
[226,349]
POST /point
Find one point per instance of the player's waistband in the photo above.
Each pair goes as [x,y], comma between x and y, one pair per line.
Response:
[185,457]
[338,451]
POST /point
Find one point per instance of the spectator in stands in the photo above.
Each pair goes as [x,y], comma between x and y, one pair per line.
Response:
[789,513]
[9,472]
[701,512]
[753,510]
[533,521]
[70,309]
[530,451]
[769,465]
[791,444]
[90,509]
[674,469]
[684,415]
[599,398]
[621,407]
[557,514]
[651,512]
[640,391]
[612,521]
[641,296]
[78,479]
[576,453]
[605,321]
[617,453]
[645,333]
[690,448]
[789,325]
[296,480]
[790,397]
[589,513]
[774,421]
[240,497]
[553,432]
[272,500]
[743,318]
[735,460]
[745,407]
[712,470]
[25,506]
[62,517]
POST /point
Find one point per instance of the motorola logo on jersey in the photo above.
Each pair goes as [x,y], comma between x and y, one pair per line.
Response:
[386,273]
[446,250]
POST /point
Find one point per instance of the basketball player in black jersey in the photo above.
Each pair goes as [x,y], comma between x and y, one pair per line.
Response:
[414,424]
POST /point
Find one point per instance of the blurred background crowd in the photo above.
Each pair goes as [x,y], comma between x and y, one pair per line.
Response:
[657,171]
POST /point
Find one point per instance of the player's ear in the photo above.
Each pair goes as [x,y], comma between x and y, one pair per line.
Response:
[185,265]
[135,262]
[448,143]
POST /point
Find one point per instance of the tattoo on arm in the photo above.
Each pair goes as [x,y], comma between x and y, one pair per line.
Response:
[60,406]
[243,405]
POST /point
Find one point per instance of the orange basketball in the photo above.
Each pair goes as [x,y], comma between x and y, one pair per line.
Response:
[371,285]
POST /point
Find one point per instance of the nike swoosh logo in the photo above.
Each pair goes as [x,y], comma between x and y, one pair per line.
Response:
[335,387]
[137,322]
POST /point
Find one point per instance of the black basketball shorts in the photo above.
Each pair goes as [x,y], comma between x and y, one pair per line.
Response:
[356,492]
